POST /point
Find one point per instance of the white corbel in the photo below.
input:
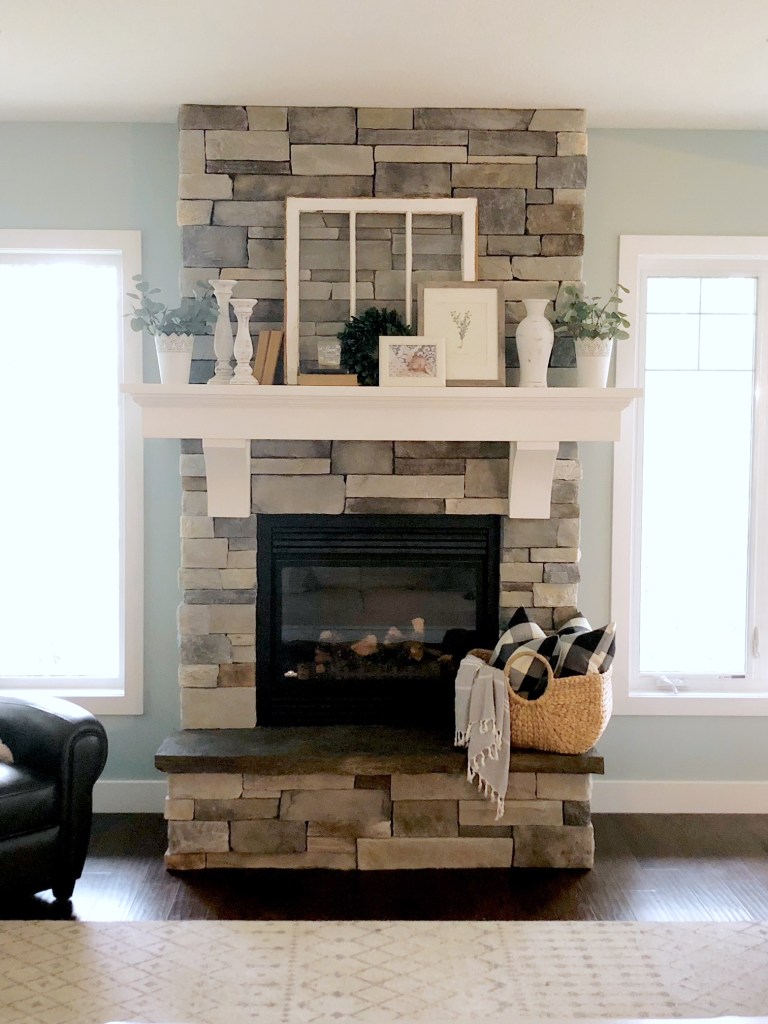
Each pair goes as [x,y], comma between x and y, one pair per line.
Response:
[228,472]
[531,465]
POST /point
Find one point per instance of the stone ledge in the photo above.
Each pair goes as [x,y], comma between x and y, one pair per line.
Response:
[340,749]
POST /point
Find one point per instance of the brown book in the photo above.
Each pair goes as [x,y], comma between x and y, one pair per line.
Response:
[273,352]
[260,356]
[329,379]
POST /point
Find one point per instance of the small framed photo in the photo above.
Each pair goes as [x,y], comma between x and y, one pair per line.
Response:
[470,316]
[411,362]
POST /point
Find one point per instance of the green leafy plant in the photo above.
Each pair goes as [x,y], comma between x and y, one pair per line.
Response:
[360,341]
[193,315]
[590,317]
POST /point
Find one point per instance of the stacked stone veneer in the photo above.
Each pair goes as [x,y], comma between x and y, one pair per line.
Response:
[376,822]
[238,164]
[217,621]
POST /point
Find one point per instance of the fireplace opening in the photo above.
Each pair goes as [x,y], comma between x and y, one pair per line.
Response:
[363,619]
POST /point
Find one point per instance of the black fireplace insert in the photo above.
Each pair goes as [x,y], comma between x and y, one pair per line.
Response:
[363,619]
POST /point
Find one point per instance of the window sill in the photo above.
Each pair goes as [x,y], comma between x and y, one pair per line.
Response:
[103,701]
[693,704]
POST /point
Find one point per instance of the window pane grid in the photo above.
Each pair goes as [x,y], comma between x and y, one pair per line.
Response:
[699,394]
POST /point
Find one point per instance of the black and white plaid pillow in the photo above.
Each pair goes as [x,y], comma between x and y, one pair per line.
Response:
[527,676]
[578,624]
[520,630]
[575,650]
[583,650]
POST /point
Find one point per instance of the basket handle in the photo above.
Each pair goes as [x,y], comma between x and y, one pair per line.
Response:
[522,652]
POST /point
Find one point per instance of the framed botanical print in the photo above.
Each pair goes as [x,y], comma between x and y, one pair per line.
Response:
[470,316]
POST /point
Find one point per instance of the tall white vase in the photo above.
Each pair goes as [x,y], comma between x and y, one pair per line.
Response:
[593,358]
[243,343]
[174,357]
[535,338]
[223,342]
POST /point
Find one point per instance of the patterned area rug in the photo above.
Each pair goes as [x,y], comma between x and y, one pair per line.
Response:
[304,972]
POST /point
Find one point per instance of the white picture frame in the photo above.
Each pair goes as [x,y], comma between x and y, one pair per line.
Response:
[411,362]
[470,316]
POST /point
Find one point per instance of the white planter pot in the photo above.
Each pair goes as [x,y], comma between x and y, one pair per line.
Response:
[535,337]
[593,359]
[174,357]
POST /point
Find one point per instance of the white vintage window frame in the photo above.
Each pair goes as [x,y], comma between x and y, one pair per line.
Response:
[641,256]
[125,696]
[294,207]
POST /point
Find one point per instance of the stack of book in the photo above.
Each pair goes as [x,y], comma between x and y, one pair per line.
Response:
[313,374]
[266,355]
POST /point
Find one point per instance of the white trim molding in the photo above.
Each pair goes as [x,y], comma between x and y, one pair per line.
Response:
[122,695]
[640,257]
[129,796]
[654,796]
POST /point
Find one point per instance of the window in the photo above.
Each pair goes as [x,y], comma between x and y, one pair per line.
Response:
[70,520]
[690,516]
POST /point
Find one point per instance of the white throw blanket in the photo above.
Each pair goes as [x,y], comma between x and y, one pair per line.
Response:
[482,725]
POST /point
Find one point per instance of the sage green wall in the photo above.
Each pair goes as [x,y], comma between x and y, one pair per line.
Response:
[122,176]
[640,182]
[665,183]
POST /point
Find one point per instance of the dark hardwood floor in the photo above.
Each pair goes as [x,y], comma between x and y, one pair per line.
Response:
[648,868]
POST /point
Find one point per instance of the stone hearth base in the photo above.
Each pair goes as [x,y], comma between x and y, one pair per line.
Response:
[349,798]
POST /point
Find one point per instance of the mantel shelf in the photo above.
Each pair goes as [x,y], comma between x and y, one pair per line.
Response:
[532,420]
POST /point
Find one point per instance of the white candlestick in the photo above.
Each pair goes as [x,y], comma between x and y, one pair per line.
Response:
[223,342]
[243,344]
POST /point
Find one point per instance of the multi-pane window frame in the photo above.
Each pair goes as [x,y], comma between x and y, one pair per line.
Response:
[122,695]
[642,257]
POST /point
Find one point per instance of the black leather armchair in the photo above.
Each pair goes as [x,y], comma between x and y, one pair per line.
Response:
[59,751]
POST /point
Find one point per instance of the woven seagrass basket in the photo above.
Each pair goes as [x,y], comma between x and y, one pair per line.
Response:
[568,718]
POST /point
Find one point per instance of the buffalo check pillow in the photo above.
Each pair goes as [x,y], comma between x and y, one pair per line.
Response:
[527,676]
[584,651]
[520,630]
[575,650]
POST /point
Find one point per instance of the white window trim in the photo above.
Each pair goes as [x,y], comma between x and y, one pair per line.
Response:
[635,252]
[128,699]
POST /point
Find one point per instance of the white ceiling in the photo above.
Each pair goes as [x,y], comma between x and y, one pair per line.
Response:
[630,63]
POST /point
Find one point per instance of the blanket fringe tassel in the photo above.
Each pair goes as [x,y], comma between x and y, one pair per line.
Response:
[484,787]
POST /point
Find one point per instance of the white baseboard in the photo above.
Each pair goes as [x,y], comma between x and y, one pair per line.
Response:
[129,796]
[610,796]
[625,796]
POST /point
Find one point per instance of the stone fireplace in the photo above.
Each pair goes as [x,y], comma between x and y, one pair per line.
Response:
[256,795]
[536,560]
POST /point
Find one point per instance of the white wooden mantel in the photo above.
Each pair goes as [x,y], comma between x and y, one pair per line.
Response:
[532,420]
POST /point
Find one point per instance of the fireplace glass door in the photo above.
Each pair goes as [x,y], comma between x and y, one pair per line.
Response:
[364,619]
